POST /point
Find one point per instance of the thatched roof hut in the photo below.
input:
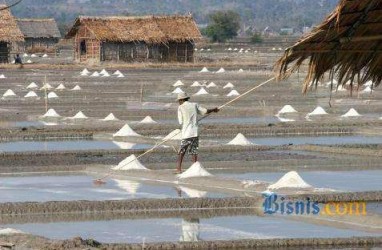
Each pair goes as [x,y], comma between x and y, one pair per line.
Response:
[9,31]
[347,44]
[149,29]
[39,28]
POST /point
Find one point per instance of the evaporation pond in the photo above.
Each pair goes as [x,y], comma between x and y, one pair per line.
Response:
[80,187]
[319,140]
[366,180]
[68,145]
[190,229]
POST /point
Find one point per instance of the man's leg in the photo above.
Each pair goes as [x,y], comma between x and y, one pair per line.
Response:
[180,160]
[194,158]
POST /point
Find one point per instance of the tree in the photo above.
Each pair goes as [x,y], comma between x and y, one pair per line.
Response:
[256,38]
[223,25]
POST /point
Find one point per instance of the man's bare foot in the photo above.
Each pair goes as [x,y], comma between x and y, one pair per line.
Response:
[178,171]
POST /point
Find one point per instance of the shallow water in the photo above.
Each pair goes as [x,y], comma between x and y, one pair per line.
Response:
[367,180]
[80,187]
[319,140]
[191,229]
[69,145]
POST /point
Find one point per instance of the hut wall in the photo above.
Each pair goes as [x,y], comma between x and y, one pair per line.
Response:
[181,52]
[86,46]
[4,52]
[32,44]
[132,52]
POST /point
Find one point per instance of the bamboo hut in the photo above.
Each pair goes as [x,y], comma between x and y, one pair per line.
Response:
[10,36]
[41,35]
[134,39]
[347,45]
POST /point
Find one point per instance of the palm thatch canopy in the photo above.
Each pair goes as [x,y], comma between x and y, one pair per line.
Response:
[9,31]
[348,45]
[39,28]
[150,29]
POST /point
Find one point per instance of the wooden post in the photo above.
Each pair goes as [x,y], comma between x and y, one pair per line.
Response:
[185,54]
[141,97]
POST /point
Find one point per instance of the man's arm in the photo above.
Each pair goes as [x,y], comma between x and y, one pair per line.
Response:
[214,110]
[204,111]
[180,116]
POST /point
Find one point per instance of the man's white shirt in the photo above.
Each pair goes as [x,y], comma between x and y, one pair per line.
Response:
[188,117]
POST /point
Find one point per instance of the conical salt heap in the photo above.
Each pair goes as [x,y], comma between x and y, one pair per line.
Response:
[221,70]
[130,163]
[76,88]
[2,76]
[61,87]
[29,61]
[241,140]
[45,55]
[110,117]
[117,72]
[202,91]
[351,113]
[32,85]
[211,85]
[228,86]
[177,91]
[85,71]
[25,55]
[9,93]
[233,93]
[33,55]
[318,111]
[46,86]
[287,109]
[178,83]
[120,75]
[196,84]
[148,120]
[290,180]
[196,170]
[80,115]
[204,70]
[31,94]
[174,135]
[104,72]
[95,74]
[52,95]
[51,113]
[241,71]
[368,83]
[10,231]
[126,131]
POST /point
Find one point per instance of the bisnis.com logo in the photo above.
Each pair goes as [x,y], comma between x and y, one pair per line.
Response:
[273,204]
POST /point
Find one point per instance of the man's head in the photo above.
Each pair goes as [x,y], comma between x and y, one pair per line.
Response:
[182,97]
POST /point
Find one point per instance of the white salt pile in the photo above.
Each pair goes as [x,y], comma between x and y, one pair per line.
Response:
[229,49]
[368,83]
[110,117]
[33,55]
[204,70]
[351,113]
[178,83]
[76,88]
[202,91]
[32,85]
[148,120]
[95,74]
[196,84]
[233,93]
[80,115]
[85,71]
[117,72]
[193,193]
[130,163]
[51,113]
[45,55]
[340,88]
[290,180]
[318,111]
[240,139]
[228,86]
[52,95]
[9,93]
[126,131]
[31,94]
[105,74]
[46,86]
[120,75]
[235,49]
[174,135]
[196,170]
[2,76]
[177,91]
[211,85]
[287,109]
[61,87]
[131,187]
[221,70]
[103,71]
[367,90]
[29,61]
[241,70]
[273,48]
[25,55]
[8,231]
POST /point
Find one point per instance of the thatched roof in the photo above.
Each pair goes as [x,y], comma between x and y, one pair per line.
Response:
[9,31]
[150,29]
[39,28]
[347,44]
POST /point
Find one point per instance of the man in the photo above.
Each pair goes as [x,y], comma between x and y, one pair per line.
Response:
[188,117]
[18,59]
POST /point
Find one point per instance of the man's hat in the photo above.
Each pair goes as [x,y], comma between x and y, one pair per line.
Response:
[182,96]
